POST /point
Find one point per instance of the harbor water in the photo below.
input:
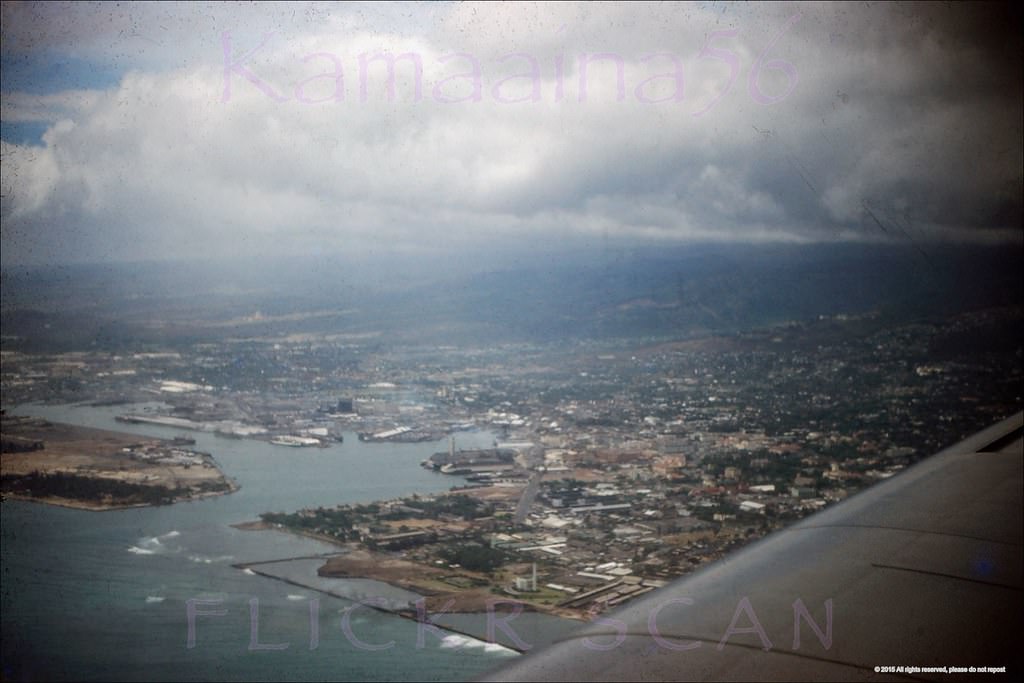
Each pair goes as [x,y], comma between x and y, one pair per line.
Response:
[107,595]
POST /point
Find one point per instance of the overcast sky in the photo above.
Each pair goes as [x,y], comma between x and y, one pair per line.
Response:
[169,131]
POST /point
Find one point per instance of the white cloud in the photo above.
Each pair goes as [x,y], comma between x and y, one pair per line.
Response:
[161,165]
[30,175]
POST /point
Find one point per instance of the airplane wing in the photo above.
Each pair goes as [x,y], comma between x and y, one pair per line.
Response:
[921,571]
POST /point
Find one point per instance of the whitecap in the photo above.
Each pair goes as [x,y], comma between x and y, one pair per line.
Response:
[154,598]
[140,551]
[292,596]
[201,559]
[453,641]
[466,643]
[171,534]
[495,647]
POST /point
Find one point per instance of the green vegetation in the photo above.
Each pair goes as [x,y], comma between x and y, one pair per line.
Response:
[458,505]
[88,489]
[341,522]
[337,522]
[475,557]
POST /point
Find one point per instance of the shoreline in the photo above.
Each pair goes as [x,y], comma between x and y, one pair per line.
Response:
[405,613]
[94,469]
[431,594]
[72,504]
[260,525]
[474,601]
[374,571]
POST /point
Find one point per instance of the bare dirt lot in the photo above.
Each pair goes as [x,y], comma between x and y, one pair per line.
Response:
[436,583]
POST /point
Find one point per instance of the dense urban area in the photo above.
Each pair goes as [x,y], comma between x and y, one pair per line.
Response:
[618,464]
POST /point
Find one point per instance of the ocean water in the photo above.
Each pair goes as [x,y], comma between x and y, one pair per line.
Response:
[105,595]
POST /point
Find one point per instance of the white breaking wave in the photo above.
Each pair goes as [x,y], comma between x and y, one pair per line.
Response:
[453,641]
[154,598]
[149,545]
[495,647]
[153,544]
[463,642]
[296,597]
[201,559]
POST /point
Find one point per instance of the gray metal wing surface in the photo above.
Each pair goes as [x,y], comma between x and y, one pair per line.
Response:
[921,571]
